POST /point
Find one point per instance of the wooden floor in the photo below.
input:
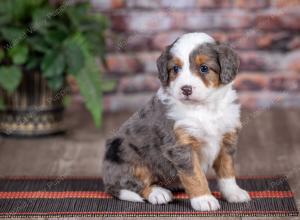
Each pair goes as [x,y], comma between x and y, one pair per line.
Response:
[269,144]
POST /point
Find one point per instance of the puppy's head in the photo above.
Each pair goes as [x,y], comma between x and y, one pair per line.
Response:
[195,66]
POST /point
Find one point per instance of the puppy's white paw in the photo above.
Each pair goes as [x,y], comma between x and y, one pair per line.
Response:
[236,195]
[232,192]
[130,196]
[160,195]
[205,203]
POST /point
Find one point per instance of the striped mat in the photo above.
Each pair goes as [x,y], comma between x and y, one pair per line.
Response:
[75,197]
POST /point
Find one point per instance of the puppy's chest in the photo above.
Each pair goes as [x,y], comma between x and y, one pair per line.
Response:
[205,123]
[208,127]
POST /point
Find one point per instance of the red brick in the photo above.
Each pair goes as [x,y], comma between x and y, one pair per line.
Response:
[139,83]
[132,62]
[223,20]
[285,18]
[149,22]
[161,40]
[148,61]
[251,81]
[285,3]
[128,42]
[155,4]
[285,82]
[157,21]
[294,43]
[291,61]
[119,22]
[273,40]
[179,4]
[252,4]
[237,40]
[107,4]
[290,18]
[269,20]
[143,4]
[254,60]
[122,63]
[214,4]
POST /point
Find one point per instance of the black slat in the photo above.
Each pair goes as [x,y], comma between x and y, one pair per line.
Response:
[65,184]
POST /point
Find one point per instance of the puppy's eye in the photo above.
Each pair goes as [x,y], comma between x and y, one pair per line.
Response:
[176,69]
[204,69]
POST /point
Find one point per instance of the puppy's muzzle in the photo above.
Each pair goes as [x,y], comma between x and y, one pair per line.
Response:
[187,90]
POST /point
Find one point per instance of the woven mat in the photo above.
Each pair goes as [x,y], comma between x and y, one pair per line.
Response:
[72,197]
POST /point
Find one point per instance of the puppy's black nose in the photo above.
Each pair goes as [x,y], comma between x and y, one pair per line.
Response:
[187,90]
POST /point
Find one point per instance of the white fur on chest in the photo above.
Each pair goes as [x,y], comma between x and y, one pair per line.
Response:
[207,122]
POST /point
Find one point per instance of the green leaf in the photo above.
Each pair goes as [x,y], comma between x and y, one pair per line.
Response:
[33,63]
[2,105]
[108,85]
[67,101]
[7,8]
[12,34]
[53,64]
[40,18]
[19,8]
[77,13]
[2,54]
[38,43]
[55,37]
[10,78]
[74,56]
[5,19]
[89,82]
[35,3]
[56,83]
[19,54]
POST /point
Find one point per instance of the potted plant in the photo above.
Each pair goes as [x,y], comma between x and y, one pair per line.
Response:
[41,44]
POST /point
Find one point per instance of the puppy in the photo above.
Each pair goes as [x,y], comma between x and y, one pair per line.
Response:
[190,125]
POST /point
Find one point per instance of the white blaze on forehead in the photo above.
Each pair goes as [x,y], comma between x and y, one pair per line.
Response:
[188,42]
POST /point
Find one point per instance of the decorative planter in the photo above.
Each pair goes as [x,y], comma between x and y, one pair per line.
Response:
[33,109]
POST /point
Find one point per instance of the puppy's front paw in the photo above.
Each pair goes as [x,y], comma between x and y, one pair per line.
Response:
[236,194]
[232,192]
[205,203]
[160,195]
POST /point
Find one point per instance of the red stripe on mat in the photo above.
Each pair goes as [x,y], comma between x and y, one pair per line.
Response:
[149,213]
[103,195]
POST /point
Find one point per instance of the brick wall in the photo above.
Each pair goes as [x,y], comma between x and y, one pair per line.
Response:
[266,34]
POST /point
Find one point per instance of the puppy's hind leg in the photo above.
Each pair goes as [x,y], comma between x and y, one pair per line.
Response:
[154,194]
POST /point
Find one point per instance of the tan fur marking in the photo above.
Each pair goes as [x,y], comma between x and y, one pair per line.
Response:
[146,192]
[201,59]
[195,184]
[143,174]
[184,138]
[171,64]
[210,79]
[213,79]
[224,165]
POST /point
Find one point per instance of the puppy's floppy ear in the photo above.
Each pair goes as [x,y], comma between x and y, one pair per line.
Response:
[229,62]
[162,66]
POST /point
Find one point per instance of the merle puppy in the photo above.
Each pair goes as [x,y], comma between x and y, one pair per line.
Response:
[188,126]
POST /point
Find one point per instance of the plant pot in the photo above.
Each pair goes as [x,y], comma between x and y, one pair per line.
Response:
[33,109]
